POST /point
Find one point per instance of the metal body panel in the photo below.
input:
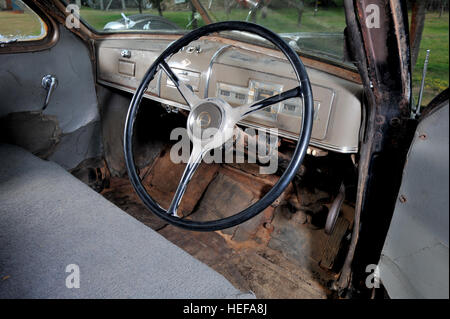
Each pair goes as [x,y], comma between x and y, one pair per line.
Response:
[415,258]
[383,60]
[208,63]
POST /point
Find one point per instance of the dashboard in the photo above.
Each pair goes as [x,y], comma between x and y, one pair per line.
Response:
[239,74]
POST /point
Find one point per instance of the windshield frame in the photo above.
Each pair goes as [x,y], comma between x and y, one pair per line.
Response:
[206,16]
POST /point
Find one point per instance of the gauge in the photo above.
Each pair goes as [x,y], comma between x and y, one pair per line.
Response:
[260,91]
[235,95]
[292,107]
[239,95]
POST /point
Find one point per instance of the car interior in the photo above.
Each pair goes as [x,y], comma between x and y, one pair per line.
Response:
[90,127]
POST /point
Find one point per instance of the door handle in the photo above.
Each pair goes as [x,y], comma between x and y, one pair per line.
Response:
[49,82]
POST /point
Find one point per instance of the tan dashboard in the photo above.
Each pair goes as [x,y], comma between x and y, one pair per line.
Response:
[239,75]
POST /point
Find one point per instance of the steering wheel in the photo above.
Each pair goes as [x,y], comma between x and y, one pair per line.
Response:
[221,118]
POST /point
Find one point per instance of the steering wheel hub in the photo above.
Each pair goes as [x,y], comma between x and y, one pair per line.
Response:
[207,116]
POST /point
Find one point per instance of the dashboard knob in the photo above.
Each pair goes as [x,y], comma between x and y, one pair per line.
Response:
[191,49]
[126,54]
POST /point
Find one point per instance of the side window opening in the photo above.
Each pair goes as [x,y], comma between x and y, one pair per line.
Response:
[19,23]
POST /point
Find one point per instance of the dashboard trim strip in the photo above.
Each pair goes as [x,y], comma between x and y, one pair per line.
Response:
[208,73]
[158,82]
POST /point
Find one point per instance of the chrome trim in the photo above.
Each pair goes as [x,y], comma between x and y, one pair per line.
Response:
[158,82]
[49,83]
[208,73]
[194,162]
[292,136]
[126,53]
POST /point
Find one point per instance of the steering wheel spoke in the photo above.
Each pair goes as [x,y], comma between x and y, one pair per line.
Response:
[187,94]
[193,163]
[248,109]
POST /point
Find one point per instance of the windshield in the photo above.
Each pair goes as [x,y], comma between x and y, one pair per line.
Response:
[312,27]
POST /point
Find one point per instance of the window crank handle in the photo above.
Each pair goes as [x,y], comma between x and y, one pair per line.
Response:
[49,82]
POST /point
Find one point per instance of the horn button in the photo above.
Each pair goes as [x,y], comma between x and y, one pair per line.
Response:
[205,120]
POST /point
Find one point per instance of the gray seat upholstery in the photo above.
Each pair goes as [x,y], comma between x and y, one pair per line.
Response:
[49,220]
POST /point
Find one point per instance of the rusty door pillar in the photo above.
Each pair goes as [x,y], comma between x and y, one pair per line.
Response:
[378,37]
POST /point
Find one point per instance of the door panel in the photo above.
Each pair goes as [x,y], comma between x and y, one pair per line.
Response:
[415,258]
[73,103]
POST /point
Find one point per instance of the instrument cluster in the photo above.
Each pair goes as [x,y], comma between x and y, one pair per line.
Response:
[256,91]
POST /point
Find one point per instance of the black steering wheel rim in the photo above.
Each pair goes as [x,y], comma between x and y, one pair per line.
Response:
[298,155]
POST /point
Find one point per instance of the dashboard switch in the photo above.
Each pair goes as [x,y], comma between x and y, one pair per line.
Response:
[126,54]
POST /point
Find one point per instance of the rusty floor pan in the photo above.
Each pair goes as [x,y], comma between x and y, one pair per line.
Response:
[252,256]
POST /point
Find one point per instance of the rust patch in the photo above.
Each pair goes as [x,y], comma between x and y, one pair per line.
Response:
[262,270]
[274,254]
[164,176]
